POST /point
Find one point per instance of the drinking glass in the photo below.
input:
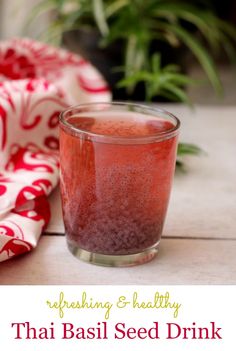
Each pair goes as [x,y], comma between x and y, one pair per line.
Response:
[117,165]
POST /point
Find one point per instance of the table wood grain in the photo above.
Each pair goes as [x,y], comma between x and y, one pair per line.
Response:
[179,261]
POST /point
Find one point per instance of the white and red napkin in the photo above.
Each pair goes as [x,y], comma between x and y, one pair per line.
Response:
[37,81]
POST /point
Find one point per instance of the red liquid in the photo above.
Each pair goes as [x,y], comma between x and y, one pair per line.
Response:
[115,195]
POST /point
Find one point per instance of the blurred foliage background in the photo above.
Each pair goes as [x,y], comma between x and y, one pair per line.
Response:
[143,48]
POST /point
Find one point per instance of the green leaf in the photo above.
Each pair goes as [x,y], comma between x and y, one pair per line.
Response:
[99,15]
[200,53]
[134,79]
[178,92]
[156,63]
[130,53]
[159,81]
[188,149]
[60,3]
[226,27]
[115,6]
[171,68]
[202,20]
[178,78]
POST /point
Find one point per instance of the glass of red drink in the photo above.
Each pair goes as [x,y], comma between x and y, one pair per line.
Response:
[117,164]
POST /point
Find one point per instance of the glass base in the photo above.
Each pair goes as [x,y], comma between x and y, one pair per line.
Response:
[114,260]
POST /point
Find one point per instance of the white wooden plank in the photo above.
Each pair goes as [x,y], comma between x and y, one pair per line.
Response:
[203,202]
[179,261]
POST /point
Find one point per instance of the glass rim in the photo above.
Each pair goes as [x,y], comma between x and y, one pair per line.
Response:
[146,108]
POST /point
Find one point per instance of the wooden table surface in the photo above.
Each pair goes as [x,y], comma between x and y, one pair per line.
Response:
[199,238]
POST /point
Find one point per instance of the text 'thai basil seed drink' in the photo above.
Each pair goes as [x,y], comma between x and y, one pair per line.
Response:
[117,165]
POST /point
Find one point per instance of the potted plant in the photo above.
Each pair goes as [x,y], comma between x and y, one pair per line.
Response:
[145,43]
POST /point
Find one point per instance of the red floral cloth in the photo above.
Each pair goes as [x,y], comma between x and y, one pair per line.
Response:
[36,83]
